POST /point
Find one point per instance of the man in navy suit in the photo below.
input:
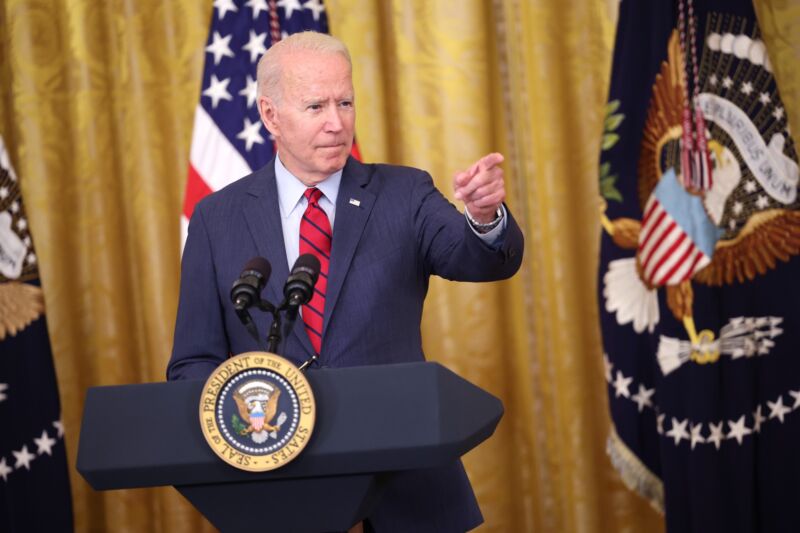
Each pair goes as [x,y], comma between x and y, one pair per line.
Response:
[391,230]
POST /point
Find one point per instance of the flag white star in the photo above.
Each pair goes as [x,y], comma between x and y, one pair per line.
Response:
[59,428]
[660,424]
[621,384]
[747,87]
[250,91]
[5,470]
[22,224]
[764,98]
[316,7]
[220,47]
[642,398]
[14,207]
[796,395]
[716,434]
[218,90]
[223,6]
[727,82]
[27,240]
[3,389]
[697,437]
[257,6]
[737,208]
[777,409]
[738,429]
[762,202]
[778,113]
[732,224]
[678,430]
[256,45]
[31,258]
[289,7]
[750,186]
[713,79]
[758,418]
[24,458]
[3,193]
[250,134]
[44,444]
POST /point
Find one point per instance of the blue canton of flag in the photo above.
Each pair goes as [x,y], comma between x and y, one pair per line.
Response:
[228,140]
[700,269]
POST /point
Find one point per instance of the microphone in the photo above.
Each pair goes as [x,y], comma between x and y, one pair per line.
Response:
[300,285]
[246,290]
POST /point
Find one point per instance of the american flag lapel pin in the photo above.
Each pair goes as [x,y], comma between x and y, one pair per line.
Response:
[355,202]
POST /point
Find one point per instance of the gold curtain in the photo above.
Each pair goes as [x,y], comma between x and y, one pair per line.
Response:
[96,106]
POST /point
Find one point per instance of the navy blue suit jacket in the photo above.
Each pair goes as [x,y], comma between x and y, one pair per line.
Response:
[393,230]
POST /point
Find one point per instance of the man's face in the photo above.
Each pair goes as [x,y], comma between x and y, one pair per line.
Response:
[313,120]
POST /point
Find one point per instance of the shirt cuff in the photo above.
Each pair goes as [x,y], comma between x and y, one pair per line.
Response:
[493,237]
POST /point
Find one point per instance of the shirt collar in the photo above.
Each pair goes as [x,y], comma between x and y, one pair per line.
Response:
[291,189]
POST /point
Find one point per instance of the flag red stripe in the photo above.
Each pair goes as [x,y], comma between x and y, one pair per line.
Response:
[664,234]
[665,278]
[698,256]
[652,229]
[665,256]
[196,189]
[651,206]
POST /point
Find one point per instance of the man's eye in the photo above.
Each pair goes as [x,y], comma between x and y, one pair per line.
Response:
[315,107]
[346,103]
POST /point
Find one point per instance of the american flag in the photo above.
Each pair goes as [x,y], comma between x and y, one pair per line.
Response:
[229,141]
[677,237]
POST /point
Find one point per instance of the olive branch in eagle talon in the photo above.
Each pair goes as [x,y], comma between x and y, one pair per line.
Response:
[257,418]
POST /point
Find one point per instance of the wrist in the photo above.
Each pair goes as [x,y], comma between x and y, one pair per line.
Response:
[484,227]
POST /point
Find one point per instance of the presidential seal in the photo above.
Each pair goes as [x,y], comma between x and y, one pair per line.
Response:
[257,411]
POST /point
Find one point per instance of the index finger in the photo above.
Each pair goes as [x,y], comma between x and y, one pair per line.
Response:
[490,160]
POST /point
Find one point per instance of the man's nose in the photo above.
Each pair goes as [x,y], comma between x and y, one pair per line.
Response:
[334,122]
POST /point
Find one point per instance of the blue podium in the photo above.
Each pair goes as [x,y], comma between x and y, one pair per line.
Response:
[371,422]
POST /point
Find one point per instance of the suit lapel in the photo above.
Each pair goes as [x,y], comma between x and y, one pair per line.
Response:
[263,216]
[353,207]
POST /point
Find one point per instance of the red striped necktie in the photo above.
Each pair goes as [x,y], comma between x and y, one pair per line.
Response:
[315,238]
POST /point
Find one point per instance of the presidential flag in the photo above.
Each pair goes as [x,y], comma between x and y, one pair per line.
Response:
[699,278]
[228,140]
[34,483]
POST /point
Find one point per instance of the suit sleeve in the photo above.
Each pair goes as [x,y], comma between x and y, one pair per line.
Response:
[200,343]
[448,246]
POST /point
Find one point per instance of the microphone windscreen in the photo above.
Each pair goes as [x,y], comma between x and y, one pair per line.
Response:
[307,263]
[260,265]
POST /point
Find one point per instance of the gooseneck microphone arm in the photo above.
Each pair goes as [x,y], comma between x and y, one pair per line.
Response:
[298,290]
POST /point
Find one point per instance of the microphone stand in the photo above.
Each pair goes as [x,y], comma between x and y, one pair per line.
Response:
[276,332]
[274,336]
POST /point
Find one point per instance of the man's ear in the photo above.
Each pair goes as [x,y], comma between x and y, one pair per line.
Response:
[269,115]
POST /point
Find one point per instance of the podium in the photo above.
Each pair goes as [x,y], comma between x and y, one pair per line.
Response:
[371,422]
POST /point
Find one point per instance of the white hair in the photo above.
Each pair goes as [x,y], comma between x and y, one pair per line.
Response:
[270,65]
